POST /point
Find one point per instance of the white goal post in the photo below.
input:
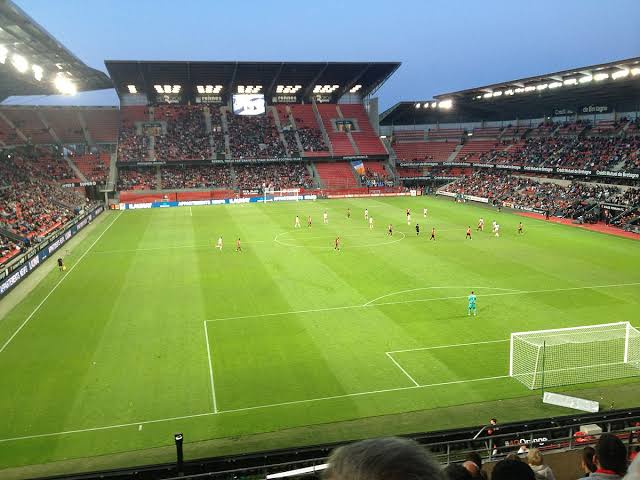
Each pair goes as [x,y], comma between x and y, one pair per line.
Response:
[567,356]
[271,195]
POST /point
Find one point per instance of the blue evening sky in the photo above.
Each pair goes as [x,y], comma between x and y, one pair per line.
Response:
[443,45]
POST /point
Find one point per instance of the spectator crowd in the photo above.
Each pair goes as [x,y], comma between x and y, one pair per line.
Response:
[186,136]
[254,137]
[190,176]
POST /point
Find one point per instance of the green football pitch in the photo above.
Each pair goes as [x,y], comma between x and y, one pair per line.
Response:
[152,330]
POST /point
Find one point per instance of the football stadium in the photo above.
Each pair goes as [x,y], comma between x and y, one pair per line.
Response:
[260,269]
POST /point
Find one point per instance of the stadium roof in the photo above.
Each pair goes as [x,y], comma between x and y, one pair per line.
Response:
[615,85]
[28,51]
[336,78]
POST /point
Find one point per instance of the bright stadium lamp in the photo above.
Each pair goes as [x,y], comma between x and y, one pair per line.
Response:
[570,81]
[635,71]
[167,88]
[427,105]
[200,89]
[509,91]
[132,89]
[20,63]
[497,94]
[620,74]
[542,86]
[487,95]
[530,88]
[417,105]
[519,90]
[158,88]
[553,85]
[208,89]
[3,54]
[177,88]
[279,89]
[600,76]
[585,79]
[445,104]
[37,72]
[64,85]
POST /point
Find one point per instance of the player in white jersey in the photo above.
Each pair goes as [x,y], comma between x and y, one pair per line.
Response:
[481,225]
[366,214]
[408,218]
[424,212]
[370,223]
[219,243]
[325,217]
[297,224]
[497,230]
[493,226]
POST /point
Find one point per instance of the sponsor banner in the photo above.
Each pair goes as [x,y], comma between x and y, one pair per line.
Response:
[420,164]
[484,165]
[78,184]
[446,194]
[364,195]
[615,208]
[356,157]
[594,109]
[573,171]
[222,201]
[457,164]
[609,173]
[508,167]
[538,169]
[559,112]
[36,256]
[571,402]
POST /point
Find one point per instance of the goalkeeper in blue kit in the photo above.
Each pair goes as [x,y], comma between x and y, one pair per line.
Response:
[472,304]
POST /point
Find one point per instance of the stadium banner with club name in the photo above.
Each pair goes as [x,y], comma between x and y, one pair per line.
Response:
[78,184]
[529,169]
[11,276]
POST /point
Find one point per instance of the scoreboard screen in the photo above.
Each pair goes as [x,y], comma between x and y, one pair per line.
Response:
[248,104]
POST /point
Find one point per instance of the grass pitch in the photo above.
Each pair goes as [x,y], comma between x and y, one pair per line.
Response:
[152,330]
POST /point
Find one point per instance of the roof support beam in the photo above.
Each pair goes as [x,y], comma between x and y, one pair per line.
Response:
[49,128]
[312,83]
[351,83]
[275,79]
[16,129]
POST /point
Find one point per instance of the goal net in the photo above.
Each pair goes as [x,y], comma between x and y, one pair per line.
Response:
[271,195]
[567,356]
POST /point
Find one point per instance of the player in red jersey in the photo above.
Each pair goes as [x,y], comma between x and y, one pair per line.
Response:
[468,232]
[337,244]
[309,221]
[238,247]
[433,234]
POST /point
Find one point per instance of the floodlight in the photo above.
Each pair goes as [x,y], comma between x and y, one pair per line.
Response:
[3,54]
[158,88]
[37,72]
[19,62]
[586,79]
[600,76]
[542,86]
[519,90]
[434,104]
[417,105]
[635,71]
[487,95]
[132,89]
[508,92]
[279,89]
[167,89]
[553,85]
[570,81]
[176,88]
[355,88]
[445,104]
[200,89]
[620,74]
[497,93]
[529,89]
[64,85]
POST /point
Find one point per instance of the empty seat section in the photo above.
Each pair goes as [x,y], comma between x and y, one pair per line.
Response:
[336,175]
[424,151]
[366,138]
[339,140]
[102,124]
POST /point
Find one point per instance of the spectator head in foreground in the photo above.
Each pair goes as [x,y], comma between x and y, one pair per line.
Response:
[512,470]
[382,459]
[586,461]
[634,470]
[454,471]
[610,458]
[536,462]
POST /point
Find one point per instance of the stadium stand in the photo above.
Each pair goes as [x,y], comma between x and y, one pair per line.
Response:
[375,174]
[66,124]
[102,124]
[8,249]
[419,151]
[28,121]
[274,175]
[254,136]
[308,130]
[186,137]
[195,176]
[93,167]
[336,175]
[137,179]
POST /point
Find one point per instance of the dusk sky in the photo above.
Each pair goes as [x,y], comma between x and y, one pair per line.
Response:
[443,46]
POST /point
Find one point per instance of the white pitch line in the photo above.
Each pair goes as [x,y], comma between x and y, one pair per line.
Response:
[190,212]
[359,394]
[106,427]
[256,407]
[402,369]
[369,305]
[213,388]
[435,288]
[453,345]
[151,249]
[58,284]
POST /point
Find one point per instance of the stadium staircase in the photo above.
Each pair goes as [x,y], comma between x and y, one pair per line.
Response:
[112,177]
[311,168]
[454,154]
[276,118]
[304,116]
[348,132]
[336,175]
[75,169]
[225,131]
[296,134]
[325,134]
[50,130]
